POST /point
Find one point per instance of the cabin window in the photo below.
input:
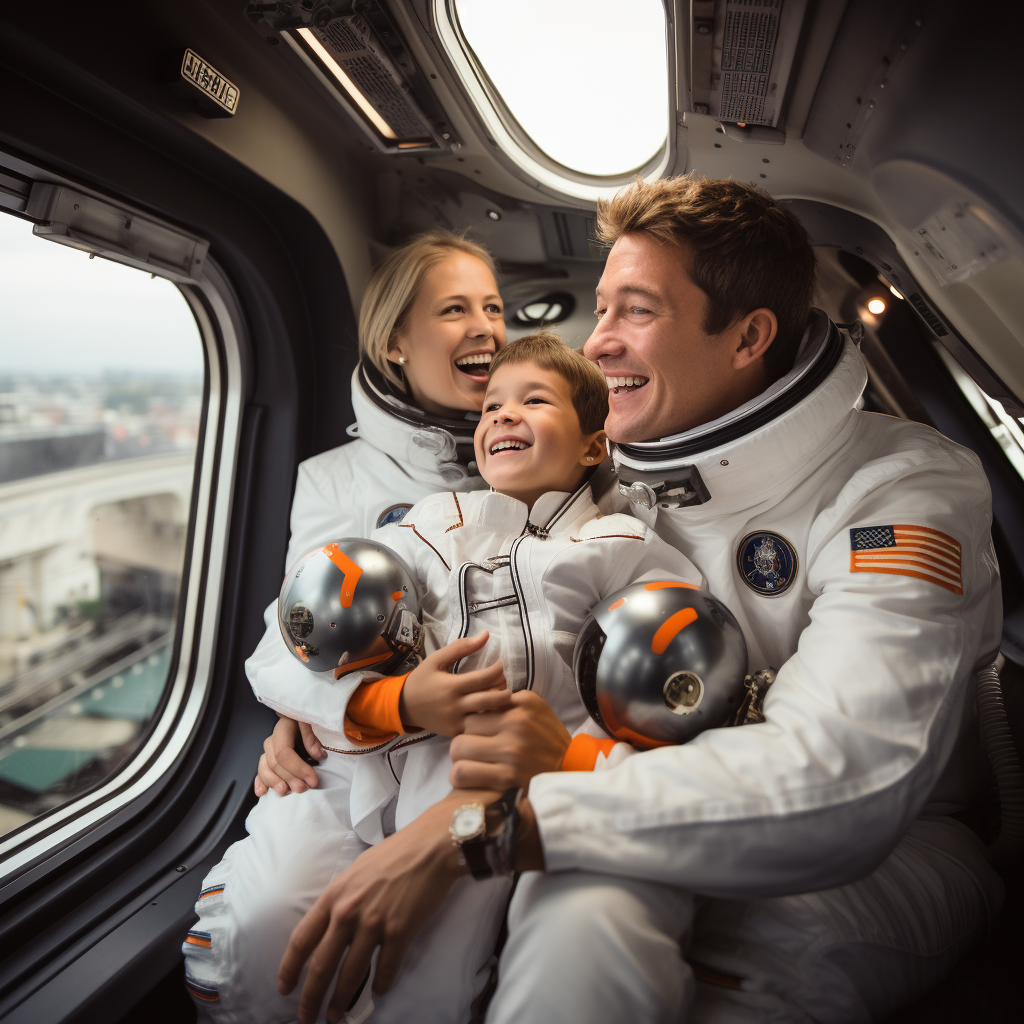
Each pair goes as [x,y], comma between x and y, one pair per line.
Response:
[102,380]
[1004,428]
[540,74]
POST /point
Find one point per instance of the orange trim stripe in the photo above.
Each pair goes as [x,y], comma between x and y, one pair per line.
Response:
[199,939]
[213,890]
[618,604]
[662,584]
[583,751]
[208,995]
[712,977]
[642,742]
[351,666]
[671,627]
[351,571]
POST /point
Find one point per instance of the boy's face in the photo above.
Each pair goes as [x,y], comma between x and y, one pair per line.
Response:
[529,439]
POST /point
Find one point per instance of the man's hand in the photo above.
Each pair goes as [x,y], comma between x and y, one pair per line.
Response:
[280,768]
[383,899]
[501,749]
[438,701]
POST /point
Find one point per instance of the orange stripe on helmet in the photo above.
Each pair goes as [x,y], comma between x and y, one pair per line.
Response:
[351,666]
[673,625]
[662,584]
[351,571]
[618,604]
[396,596]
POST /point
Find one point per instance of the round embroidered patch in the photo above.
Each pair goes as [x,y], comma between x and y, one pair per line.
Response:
[392,514]
[767,562]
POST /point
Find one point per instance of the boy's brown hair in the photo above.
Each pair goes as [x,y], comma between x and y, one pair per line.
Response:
[749,251]
[587,384]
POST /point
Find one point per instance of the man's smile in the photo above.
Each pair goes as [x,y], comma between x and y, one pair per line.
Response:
[627,383]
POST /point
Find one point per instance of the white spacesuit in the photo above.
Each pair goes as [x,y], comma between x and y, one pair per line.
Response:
[401,455]
[482,564]
[855,551]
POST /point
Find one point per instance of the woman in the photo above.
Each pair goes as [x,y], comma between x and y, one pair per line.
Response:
[430,321]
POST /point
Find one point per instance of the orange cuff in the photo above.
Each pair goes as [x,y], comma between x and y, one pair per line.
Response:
[372,713]
[583,751]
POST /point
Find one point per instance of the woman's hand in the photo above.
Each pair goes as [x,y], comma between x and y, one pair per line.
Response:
[281,768]
[507,748]
[435,699]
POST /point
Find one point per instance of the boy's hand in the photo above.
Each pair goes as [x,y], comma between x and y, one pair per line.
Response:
[280,768]
[435,699]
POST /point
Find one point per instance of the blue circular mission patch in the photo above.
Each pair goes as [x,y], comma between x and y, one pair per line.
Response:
[392,514]
[767,562]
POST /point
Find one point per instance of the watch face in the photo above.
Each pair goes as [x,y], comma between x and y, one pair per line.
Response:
[467,822]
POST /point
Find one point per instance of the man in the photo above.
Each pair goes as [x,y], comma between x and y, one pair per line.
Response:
[854,550]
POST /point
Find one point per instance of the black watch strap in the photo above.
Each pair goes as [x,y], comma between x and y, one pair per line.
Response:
[492,853]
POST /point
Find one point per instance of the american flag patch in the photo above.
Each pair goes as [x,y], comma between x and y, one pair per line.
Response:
[917,551]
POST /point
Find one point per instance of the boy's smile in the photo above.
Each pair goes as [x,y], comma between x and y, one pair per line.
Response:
[529,439]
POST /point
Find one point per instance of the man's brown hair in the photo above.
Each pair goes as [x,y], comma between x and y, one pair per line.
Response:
[749,251]
[587,384]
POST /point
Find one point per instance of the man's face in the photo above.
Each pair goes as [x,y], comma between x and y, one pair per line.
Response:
[649,341]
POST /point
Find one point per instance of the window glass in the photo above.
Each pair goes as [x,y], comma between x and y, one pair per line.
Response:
[101,384]
[1003,427]
[587,82]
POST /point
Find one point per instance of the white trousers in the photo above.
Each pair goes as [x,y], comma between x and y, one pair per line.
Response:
[586,947]
[265,883]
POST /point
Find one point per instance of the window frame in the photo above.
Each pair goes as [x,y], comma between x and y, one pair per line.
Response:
[221,329]
[503,130]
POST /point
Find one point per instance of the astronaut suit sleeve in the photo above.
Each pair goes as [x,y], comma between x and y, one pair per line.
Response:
[277,678]
[861,720]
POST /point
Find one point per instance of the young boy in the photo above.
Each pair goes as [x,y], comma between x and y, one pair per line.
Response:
[519,567]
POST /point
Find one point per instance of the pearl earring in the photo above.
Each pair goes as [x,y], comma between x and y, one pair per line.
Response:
[401,360]
[590,458]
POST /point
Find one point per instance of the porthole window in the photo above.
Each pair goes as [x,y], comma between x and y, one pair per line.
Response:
[102,377]
[539,74]
[545,311]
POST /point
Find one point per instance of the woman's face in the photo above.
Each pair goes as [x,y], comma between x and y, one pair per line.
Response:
[454,326]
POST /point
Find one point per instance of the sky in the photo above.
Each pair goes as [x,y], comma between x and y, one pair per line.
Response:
[61,312]
[578,76]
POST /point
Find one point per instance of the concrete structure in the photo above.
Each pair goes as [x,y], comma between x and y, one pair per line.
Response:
[70,538]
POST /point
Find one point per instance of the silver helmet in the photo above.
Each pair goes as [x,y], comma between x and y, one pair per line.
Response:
[350,604]
[660,662]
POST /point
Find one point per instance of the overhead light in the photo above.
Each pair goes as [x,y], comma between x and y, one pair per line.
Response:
[876,306]
[346,83]
[361,61]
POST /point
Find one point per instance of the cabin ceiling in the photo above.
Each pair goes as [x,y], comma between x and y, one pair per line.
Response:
[891,111]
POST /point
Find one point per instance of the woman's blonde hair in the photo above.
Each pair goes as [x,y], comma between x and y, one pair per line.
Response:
[392,289]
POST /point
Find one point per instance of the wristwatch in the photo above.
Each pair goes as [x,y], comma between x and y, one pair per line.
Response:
[486,835]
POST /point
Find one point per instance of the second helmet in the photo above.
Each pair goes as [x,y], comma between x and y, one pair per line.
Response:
[659,662]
